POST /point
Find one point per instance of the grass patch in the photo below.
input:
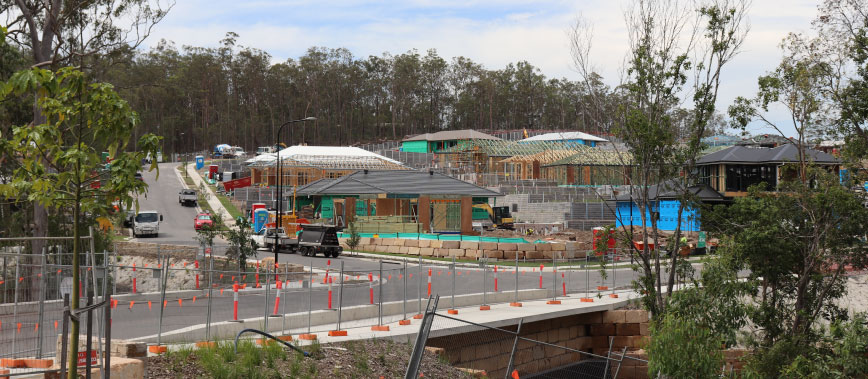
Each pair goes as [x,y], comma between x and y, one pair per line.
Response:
[231,208]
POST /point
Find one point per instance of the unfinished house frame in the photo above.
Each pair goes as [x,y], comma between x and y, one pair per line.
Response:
[301,165]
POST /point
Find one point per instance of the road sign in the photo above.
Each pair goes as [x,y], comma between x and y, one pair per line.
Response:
[701,242]
[82,358]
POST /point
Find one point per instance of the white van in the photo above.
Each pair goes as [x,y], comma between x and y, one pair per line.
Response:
[147,223]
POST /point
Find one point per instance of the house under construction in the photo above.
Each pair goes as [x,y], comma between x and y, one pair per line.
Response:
[301,165]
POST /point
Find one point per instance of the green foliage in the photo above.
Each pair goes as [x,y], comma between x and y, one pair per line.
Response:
[240,244]
[794,246]
[250,361]
[681,348]
[841,353]
[355,237]
[714,301]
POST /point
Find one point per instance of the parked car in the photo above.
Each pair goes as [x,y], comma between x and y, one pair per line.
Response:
[188,197]
[202,220]
[139,176]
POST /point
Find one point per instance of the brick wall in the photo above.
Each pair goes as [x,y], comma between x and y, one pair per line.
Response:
[590,332]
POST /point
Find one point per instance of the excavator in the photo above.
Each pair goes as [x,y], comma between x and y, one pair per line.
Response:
[499,216]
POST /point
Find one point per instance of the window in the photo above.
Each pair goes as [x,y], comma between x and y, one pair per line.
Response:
[740,177]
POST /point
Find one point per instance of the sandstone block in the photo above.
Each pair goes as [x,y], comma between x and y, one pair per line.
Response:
[469,245]
[451,244]
[488,246]
[424,243]
[631,329]
[394,249]
[590,318]
[534,254]
[644,329]
[525,247]
[506,246]
[458,253]
[636,316]
[510,255]
[411,243]
[471,253]
[558,247]
[403,249]
[494,254]
[413,250]
[602,329]
[426,251]
[437,244]
[617,316]
[543,247]
[441,252]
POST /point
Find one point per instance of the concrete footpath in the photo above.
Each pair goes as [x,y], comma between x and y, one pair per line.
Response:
[215,204]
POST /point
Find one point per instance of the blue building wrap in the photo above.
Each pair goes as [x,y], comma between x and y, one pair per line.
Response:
[627,213]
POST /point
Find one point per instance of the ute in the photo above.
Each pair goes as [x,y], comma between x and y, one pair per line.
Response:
[188,197]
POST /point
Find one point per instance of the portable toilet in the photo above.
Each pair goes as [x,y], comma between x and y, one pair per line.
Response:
[212,171]
[254,207]
[200,162]
[260,218]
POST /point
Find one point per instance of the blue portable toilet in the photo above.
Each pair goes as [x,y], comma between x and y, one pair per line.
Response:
[260,218]
[200,162]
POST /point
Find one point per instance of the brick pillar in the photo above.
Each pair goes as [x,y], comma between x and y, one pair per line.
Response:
[424,212]
[466,215]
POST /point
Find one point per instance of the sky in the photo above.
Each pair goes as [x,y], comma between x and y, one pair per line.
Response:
[492,33]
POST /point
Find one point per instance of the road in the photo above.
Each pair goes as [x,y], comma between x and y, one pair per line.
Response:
[177,228]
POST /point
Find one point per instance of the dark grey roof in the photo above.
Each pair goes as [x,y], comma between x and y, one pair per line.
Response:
[396,183]
[448,135]
[787,153]
[671,189]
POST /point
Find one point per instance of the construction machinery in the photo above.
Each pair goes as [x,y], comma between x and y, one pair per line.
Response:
[499,216]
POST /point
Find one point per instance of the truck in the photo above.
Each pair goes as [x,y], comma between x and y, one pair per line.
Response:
[265,238]
[265,150]
[188,197]
[147,223]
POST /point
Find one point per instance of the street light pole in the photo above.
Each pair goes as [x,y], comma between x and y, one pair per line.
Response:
[279,182]
[185,156]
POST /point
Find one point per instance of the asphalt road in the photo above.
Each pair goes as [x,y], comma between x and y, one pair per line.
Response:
[177,228]
[162,196]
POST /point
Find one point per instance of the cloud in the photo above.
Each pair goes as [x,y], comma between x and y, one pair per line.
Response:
[493,34]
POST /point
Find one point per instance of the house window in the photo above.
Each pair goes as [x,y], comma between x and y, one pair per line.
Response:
[740,177]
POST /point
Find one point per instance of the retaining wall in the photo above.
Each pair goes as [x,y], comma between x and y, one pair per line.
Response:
[469,249]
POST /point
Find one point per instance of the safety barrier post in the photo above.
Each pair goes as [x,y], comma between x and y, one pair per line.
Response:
[328,268]
[235,302]
[257,277]
[554,299]
[452,309]
[495,278]
[380,327]
[587,299]
[277,299]
[515,302]
[338,332]
[267,293]
[419,271]
[405,320]
[484,306]
[371,287]
[308,336]
[134,277]
[330,293]
[196,265]
[540,276]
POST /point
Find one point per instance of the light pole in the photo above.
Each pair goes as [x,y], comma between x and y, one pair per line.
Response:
[279,182]
[185,156]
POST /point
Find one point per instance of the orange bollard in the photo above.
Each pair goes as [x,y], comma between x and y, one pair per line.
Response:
[540,276]
[330,293]
[134,277]
[495,278]
[564,284]
[371,285]
[429,282]
[196,264]
[277,297]
[235,302]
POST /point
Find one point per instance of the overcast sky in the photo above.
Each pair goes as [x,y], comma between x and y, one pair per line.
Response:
[493,33]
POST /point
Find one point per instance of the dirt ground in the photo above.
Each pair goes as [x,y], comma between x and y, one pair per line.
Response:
[354,359]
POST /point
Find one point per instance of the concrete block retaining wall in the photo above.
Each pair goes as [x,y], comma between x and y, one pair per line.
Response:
[469,249]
